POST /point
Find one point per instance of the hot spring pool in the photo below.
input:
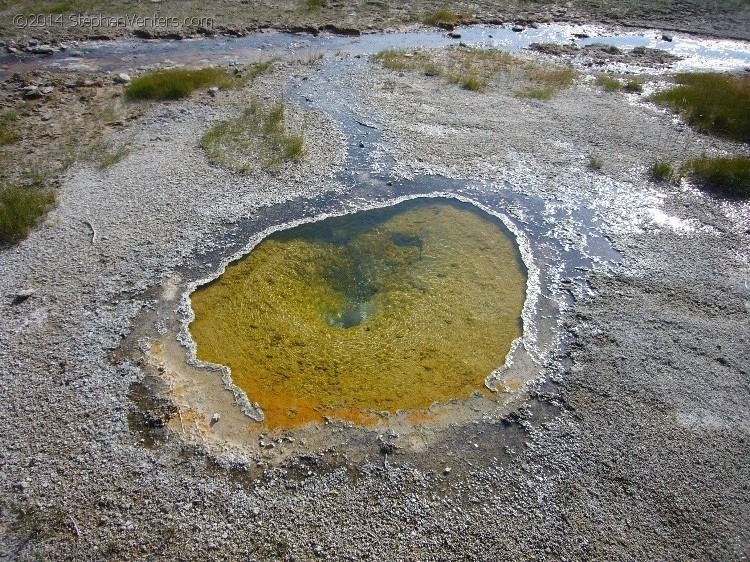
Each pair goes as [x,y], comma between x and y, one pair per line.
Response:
[379,310]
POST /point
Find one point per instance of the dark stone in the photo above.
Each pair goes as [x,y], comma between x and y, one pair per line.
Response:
[348,31]
[22,295]
[142,34]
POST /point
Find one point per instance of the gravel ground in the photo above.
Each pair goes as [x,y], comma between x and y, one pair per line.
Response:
[632,445]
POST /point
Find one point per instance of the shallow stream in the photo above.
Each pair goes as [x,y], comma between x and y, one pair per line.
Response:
[125,55]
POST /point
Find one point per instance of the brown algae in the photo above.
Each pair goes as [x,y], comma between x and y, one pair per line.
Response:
[380,310]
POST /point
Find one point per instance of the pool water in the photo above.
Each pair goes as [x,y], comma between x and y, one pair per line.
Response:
[372,312]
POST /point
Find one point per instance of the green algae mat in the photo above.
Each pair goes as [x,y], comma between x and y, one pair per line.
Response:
[381,310]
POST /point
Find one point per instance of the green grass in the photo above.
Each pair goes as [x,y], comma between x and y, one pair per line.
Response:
[712,103]
[108,157]
[256,69]
[725,177]
[393,59]
[551,77]
[258,135]
[633,86]
[312,5]
[608,83]
[176,83]
[8,133]
[20,209]
[468,81]
[474,68]
[60,7]
[537,93]
[445,17]
[662,171]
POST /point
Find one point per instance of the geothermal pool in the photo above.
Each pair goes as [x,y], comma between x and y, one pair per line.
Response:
[371,312]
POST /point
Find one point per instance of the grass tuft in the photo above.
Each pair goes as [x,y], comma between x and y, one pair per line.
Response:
[110,157]
[474,68]
[20,209]
[393,59]
[595,162]
[550,77]
[469,81]
[712,103]
[258,135]
[537,93]
[608,83]
[312,5]
[445,17]
[633,86]
[176,83]
[256,69]
[725,177]
[8,133]
[662,171]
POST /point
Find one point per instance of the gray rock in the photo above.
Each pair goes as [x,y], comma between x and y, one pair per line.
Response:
[22,295]
[41,49]
[46,90]
[30,92]
[518,28]
[213,90]
[121,78]
[667,37]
